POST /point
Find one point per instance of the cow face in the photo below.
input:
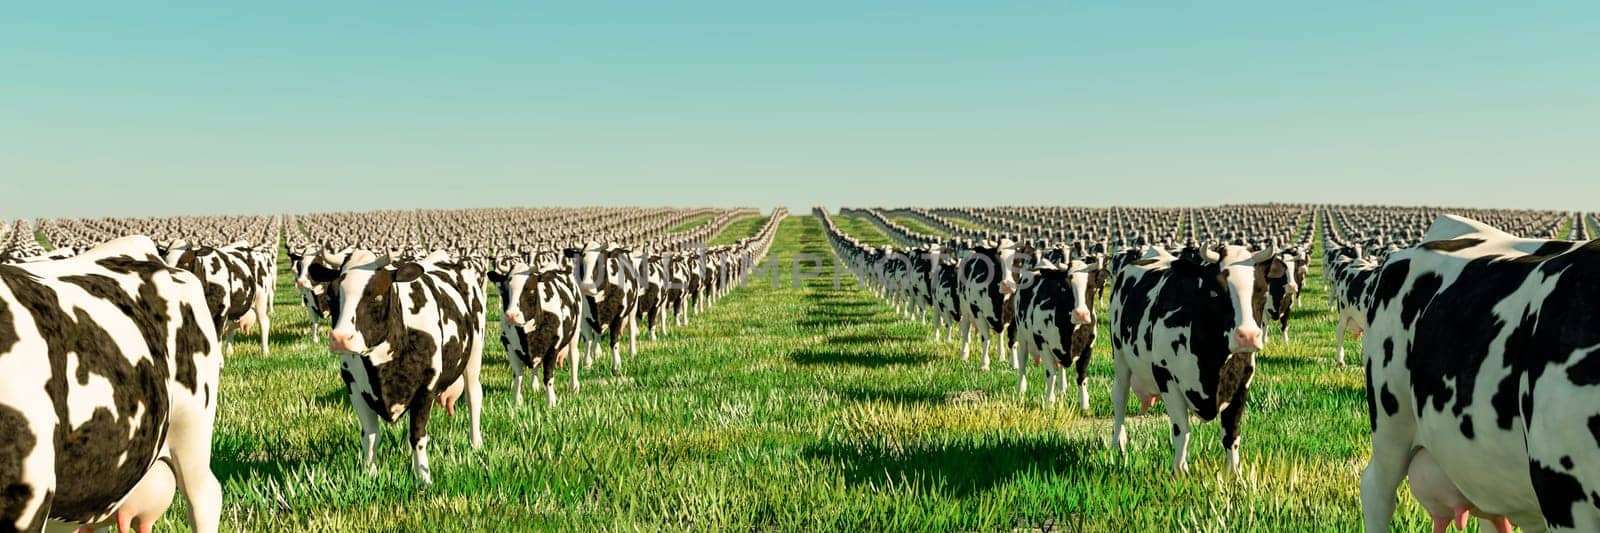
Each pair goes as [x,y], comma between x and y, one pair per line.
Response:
[1236,271]
[1076,276]
[591,268]
[366,300]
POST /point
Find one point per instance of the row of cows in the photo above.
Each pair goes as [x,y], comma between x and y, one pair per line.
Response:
[123,342]
[1481,348]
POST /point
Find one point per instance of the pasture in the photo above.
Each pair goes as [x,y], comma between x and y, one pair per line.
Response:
[793,408]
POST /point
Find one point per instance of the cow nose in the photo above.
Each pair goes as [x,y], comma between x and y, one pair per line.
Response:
[588,288]
[514,316]
[1080,316]
[303,283]
[1247,339]
[339,340]
[1008,287]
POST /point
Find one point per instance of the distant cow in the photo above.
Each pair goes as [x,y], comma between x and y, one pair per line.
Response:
[236,293]
[1055,321]
[1284,277]
[313,295]
[610,282]
[541,316]
[407,334]
[109,362]
[987,282]
[652,293]
[1185,328]
[1483,349]
[1352,284]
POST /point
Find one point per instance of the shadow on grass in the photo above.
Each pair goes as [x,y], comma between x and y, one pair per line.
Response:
[961,468]
[865,360]
[907,397]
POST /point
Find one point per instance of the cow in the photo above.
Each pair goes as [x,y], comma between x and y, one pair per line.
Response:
[1184,328]
[945,278]
[609,281]
[1483,349]
[542,312]
[987,282]
[313,295]
[1055,320]
[1352,279]
[1282,289]
[652,293]
[109,362]
[407,334]
[235,292]
[679,286]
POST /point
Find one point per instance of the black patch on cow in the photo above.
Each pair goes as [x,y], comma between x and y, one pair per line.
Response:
[1466,427]
[1391,278]
[1372,402]
[1452,245]
[1391,405]
[1594,428]
[14,448]
[1557,492]
[1388,351]
[8,328]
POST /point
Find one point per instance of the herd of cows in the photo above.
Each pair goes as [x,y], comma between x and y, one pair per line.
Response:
[1481,348]
[112,343]
[1480,344]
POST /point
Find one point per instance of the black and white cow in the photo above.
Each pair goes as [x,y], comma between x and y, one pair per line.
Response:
[1055,321]
[109,362]
[542,314]
[1184,329]
[313,295]
[653,292]
[236,295]
[987,282]
[1352,280]
[679,285]
[1483,349]
[407,334]
[1284,276]
[609,280]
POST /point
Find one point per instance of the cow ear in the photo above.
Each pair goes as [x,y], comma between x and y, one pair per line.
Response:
[407,272]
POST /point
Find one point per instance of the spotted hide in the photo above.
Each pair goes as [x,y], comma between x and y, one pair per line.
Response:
[1352,281]
[407,334]
[1184,329]
[108,362]
[1282,289]
[986,287]
[610,282]
[1055,322]
[235,292]
[1484,350]
[313,295]
[541,316]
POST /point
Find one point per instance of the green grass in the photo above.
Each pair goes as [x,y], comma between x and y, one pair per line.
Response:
[811,408]
[911,223]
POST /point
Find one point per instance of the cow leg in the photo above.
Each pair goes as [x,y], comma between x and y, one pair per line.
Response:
[369,431]
[985,333]
[549,364]
[616,342]
[1391,457]
[264,314]
[966,338]
[473,375]
[1082,365]
[633,337]
[189,439]
[516,379]
[1232,418]
[1178,415]
[1008,334]
[1283,325]
[1338,337]
[421,406]
[1022,375]
[1121,375]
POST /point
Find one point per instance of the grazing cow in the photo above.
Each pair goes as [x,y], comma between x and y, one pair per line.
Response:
[542,313]
[1483,349]
[653,292]
[1352,279]
[1282,288]
[234,292]
[1055,318]
[407,334]
[609,281]
[987,282]
[1184,328]
[109,362]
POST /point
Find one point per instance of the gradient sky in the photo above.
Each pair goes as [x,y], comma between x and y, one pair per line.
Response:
[127,108]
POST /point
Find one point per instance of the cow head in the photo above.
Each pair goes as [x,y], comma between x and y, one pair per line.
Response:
[1000,261]
[1076,275]
[1236,271]
[366,299]
[523,290]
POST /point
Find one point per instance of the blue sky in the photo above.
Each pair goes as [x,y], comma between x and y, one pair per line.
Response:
[133,109]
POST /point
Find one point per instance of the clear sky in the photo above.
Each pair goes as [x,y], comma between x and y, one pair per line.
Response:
[127,108]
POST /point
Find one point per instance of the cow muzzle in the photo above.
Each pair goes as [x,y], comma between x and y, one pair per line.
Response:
[1246,339]
[302,283]
[1008,287]
[514,317]
[588,288]
[344,341]
[1080,317]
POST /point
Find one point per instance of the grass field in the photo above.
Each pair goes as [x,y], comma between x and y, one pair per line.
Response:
[809,408]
